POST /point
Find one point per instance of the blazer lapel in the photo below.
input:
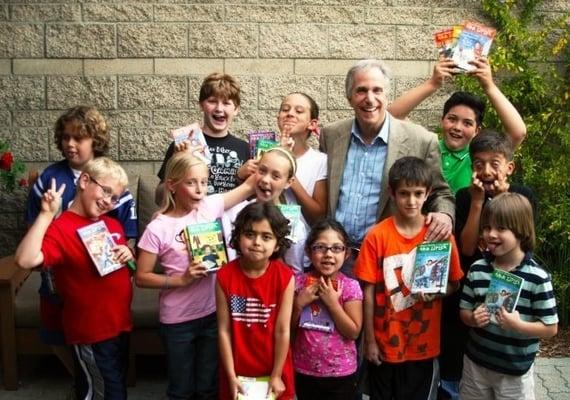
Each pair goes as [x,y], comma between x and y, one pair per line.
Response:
[397,148]
[338,153]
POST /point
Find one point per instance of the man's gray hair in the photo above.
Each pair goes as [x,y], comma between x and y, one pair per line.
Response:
[366,65]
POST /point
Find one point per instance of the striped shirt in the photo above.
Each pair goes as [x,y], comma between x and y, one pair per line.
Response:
[500,350]
[362,181]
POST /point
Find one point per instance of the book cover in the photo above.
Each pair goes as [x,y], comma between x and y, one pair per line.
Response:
[254,136]
[263,145]
[255,388]
[474,41]
[504,291]
[206,244]
[293,213]
[431,267]
[316,316]
[445,40]
[99,244]
[196,137]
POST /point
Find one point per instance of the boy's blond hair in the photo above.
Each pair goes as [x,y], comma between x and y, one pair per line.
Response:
[176,169]
[220,85]
[514,212]
[88,122]
[103,167]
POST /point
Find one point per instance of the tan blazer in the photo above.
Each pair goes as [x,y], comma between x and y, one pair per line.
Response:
[404,139]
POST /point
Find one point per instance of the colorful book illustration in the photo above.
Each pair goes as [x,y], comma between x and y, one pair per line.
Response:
[254,136]
[431,267]
[255,388]
[99,244]
[196,137]
[264,145]
[464,43]
[316,316]
[206,244]
[504,291]
[293,213]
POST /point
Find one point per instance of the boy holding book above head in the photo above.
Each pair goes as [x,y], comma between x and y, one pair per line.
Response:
[499,357]
[462,117]
[401,330]
[96,314]
[219,100]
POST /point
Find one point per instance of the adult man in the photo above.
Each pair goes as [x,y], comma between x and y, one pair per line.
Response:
[362,149]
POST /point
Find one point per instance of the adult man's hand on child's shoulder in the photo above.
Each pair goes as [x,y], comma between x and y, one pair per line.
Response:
[51,199]
[439,226]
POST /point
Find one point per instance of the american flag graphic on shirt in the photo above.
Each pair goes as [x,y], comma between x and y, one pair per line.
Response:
[249,310]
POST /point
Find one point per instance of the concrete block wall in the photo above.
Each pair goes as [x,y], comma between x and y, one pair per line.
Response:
[141,63]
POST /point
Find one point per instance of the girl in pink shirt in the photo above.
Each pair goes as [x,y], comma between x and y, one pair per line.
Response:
[327,317]
[187,309]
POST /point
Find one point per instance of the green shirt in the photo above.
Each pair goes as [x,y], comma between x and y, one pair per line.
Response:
[456,167]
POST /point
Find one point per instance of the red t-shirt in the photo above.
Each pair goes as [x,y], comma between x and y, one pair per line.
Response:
[95,307]
[405,329]
[254,304]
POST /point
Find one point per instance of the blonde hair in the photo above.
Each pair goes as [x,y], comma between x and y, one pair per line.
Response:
[176,169]
[288,155]
[514,212]
[104,167]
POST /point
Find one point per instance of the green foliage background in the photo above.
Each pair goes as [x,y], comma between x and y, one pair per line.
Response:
[530,59]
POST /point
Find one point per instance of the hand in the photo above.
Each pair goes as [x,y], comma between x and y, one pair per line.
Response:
[188,131]
[372,351]
[443,68]
[482,72]
[123,254]
[307,295]
[427,297]
[51,199]
[196,270]
[276,386]
[247,169]
[235,387]
[509,321]
[439,227]
[286,141]
[327,292]
[481,316]
[476,190]
[501,184]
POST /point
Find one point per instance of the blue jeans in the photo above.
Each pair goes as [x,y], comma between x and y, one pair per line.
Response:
[192,358]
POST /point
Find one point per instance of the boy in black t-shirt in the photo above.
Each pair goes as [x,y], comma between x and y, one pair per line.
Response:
[219,101]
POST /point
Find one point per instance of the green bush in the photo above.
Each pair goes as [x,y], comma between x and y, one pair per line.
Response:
[530,59]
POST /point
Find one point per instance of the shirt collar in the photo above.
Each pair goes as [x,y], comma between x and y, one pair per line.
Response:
[459,154]
[382,134]
[490,258]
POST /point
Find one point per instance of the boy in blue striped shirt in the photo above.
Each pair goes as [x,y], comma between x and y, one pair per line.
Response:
[499,358]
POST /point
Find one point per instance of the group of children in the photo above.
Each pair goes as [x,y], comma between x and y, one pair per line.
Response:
[245,320]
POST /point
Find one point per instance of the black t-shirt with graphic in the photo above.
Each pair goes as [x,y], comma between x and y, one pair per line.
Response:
[228,155]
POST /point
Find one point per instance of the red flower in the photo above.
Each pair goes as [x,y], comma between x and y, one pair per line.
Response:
[22,182]
[6,161]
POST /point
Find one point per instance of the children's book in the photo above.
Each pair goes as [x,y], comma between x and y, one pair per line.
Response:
[206,244]
[99,244]
[431,267]
[255,388]
[316,316]
[254,136]
[197,138]
[293,213]
[444,41]
[263,145]
[504,291]
[474,41]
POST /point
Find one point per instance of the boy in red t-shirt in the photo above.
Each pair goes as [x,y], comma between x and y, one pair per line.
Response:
[96,313]
[401,330]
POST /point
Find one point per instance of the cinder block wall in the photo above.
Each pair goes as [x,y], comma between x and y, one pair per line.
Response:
[141,63]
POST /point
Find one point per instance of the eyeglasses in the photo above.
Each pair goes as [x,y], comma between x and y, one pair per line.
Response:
[321,248]
[107,192]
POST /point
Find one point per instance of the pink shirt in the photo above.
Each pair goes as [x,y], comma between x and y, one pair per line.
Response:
[324,354]
[163,237]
